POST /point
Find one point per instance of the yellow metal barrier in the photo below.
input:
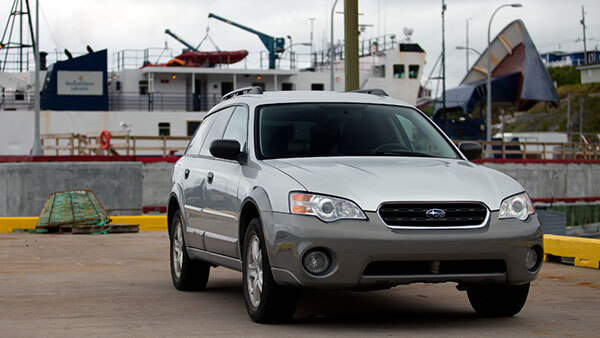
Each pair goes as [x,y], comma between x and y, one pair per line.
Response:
[585,251]
[147,223]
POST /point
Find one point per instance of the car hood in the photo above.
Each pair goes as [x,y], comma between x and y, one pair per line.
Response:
[370,181]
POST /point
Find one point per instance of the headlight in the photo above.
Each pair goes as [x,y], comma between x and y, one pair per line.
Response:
[327,208]
[517,206]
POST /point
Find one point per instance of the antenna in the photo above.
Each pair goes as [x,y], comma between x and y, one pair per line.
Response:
[585,61]
[408,32]
[18,13]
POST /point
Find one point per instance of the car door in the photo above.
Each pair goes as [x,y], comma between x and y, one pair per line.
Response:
[194,167]
[220,217]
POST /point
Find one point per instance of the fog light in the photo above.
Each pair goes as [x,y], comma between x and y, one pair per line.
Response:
[532,259]
[316,262]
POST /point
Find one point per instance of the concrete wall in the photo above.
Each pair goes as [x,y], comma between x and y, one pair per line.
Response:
[131,185]
[24,187]
[157,183]
[554,179]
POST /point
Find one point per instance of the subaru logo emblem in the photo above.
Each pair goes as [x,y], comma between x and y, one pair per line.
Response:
[435,213]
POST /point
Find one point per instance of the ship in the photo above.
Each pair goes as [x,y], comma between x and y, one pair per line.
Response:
[159,92]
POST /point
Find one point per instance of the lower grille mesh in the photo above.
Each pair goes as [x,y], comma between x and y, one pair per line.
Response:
[403,268]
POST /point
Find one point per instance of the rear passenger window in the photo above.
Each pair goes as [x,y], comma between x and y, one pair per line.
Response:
[196,142]
[216,129]
[238,126]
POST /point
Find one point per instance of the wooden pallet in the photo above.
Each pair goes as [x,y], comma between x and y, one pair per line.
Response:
[109,228]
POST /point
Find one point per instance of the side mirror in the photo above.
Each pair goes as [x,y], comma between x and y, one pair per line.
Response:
[471,150]
[227,149]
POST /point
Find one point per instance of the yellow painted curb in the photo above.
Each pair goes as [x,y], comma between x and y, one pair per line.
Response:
[585,251]
[147,223]
[8,224]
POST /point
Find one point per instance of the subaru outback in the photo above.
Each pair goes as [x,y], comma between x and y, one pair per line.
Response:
[345,191]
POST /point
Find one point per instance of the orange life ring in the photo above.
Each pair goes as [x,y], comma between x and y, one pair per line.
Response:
[104,140]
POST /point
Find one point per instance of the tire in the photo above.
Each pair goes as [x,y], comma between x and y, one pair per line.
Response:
[266,301]
[186,274]
[498,300]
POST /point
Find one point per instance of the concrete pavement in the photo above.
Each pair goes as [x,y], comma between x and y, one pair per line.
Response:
[119,285]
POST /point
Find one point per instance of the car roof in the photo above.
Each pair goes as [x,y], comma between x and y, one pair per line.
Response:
[276,97]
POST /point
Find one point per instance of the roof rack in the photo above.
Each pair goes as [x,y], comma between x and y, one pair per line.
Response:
[373,91]
[242,91]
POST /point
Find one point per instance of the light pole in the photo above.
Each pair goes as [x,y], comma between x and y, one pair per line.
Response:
[468,49]
[37,146]
[332,48]
[488,111]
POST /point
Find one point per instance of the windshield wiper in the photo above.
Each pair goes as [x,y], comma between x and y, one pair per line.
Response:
[401,153]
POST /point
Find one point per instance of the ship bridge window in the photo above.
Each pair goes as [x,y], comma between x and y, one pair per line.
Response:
[192,126]
[317,86]
[143,85]
[19,95]
[379,71]
[164,129]
[399,72]
[413,71]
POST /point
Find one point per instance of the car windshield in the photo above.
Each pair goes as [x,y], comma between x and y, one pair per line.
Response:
[345,129]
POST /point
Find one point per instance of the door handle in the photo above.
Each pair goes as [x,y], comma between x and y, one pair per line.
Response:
[210,177]
[186,173]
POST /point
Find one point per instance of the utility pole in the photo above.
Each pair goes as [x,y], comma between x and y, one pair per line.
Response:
[585,61]
[568,117]
[444,55]
[580,116]
[312,20]
[351,44]
[467,49]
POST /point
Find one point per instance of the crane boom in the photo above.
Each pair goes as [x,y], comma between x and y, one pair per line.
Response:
[273,45]
[167,31]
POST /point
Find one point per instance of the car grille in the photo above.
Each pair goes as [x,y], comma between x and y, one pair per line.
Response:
[404,268]
[414,215]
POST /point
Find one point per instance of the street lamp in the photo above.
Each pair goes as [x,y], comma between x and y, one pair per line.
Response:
[488,112]
[331,47]
[468,48]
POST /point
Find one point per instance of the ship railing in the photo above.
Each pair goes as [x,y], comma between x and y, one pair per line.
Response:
[289,60]
[127,101]
[16,100]
[538,150]
[123,101]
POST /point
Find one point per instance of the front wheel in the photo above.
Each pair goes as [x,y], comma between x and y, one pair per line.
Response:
[266,301]
[498,300]
[186,274]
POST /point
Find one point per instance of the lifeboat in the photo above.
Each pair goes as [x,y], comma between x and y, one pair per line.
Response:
[204,59]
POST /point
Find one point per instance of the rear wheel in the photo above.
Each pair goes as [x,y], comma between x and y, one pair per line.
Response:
[498,300]
[186,274]
[266,301]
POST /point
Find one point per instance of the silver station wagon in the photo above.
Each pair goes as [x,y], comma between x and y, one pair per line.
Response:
[346,191]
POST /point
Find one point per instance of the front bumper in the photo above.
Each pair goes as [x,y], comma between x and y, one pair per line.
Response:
[353,245]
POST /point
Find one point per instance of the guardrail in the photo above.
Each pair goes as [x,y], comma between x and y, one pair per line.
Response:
[121,143]
[538,150]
